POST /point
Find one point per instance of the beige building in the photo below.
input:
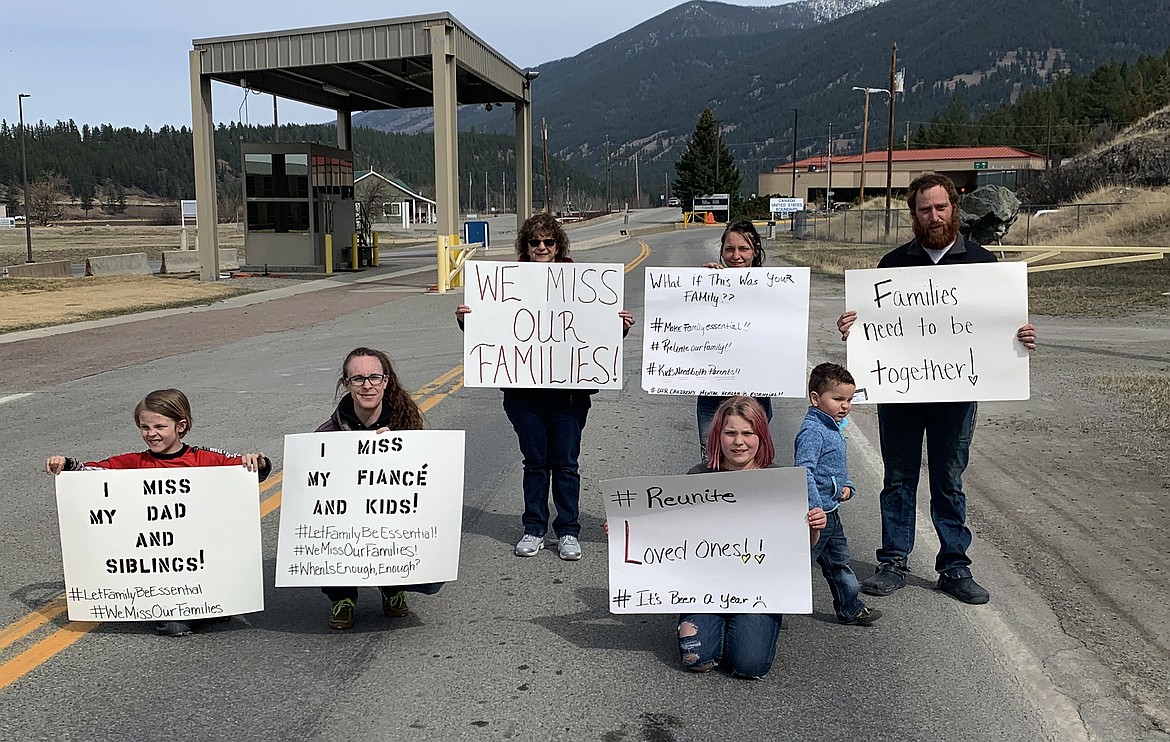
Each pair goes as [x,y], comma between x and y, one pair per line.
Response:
[969,167]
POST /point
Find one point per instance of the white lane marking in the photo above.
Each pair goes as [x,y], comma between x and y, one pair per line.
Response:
[13,397]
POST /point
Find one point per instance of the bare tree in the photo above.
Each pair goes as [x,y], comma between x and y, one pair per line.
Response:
[371,194]
[45,198]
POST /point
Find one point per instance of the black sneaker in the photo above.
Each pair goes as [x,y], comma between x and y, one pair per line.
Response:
[173,628]
[960,585]
[341,614]
[865,618]
[889,577]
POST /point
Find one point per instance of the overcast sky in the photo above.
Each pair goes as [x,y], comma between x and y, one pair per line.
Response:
[124,62]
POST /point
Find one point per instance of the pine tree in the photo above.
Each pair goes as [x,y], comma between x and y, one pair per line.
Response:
[706,166]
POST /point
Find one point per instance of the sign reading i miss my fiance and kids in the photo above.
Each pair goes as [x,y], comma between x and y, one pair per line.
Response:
[728,542]
[939,334]
[543,325]
[160,544]
[361,508]
[722,332]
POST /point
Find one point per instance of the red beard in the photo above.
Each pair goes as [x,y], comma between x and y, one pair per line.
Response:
[939,236]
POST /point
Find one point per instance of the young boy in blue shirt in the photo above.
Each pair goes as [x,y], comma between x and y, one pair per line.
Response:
[820,448]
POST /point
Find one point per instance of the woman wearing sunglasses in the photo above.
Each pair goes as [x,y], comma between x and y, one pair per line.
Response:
[548,422]
[374,400]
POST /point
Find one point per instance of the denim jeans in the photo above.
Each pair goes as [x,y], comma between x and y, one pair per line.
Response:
[340,593]
[747,641]
[705,412]
[548,425]
[948,427]
[832,553]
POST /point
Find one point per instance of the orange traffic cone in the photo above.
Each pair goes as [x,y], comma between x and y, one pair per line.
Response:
[710,218]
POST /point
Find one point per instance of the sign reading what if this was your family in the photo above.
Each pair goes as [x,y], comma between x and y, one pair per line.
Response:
[939,334]
[160,544]
[723,332]
[727,542]
[543,325]
[362,508]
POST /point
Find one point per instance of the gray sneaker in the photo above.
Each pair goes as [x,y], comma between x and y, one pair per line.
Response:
[529,545]
[568,548]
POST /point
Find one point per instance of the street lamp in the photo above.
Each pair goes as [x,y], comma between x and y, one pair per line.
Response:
[24,168]
[865,138]
[795,121]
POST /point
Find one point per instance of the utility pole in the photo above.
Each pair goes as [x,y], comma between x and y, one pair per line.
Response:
[890,143]
[795,121]
[607,173]
[637,185]
[276,124]
[829,187]
[544,136]
[487,206]
[503,191]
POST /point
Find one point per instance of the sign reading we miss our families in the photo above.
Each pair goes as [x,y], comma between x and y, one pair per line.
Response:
[361,508]
[730,542]
[722,332]
[542,325]
[939,334]
[160,544]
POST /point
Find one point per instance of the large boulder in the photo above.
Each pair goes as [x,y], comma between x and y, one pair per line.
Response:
[987,213]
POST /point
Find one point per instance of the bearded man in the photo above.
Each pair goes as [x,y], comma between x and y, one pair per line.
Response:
[947,426]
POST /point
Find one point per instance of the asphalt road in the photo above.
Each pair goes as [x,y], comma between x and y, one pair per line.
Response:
[519,649]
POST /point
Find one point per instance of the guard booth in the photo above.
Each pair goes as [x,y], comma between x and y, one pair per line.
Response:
[299,208]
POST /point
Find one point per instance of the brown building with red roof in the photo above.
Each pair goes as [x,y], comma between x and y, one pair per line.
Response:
[969,167]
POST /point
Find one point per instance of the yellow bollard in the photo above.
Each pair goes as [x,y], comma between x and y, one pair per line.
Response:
[329,254]
[456,279]
[353,251]
[375,259]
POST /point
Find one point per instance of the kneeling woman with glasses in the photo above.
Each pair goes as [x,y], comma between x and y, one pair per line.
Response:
[548,422]
[375,401]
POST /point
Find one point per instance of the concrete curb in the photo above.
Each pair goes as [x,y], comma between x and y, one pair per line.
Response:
[50,269]
[134,263]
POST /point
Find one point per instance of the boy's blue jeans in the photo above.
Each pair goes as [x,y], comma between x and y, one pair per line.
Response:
[948,427]
[705,413]
[746,641]
[832,553]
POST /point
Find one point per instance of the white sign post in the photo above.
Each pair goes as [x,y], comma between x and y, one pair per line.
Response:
[733,542]
[722,332]
[160,544]
[939,334]
[543,325]
[360,508]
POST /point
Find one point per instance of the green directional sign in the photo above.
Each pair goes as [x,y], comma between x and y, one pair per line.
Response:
[981,164]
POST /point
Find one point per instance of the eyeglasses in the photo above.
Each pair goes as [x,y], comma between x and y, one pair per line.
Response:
[374,379]
[548,242]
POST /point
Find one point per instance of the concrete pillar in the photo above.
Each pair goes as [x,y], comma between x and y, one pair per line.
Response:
[446,128]
[344,130]
[524,158]
[202,130]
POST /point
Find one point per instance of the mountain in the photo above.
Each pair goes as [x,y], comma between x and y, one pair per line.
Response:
[644,89]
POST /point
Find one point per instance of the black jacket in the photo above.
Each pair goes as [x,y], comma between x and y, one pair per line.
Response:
[911,254]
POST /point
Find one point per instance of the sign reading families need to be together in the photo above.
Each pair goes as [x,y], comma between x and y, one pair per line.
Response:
[729,542]
[543,325]
[722,332]
[361,508]
[939,334]
[160,544]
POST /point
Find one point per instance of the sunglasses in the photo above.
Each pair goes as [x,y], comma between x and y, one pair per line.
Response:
[548,242]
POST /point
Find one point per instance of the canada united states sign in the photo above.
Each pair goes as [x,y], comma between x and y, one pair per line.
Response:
[939,334]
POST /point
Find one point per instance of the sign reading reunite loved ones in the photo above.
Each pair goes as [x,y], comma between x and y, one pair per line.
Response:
[160,544]
[543,325]
[723,332]
[939,334]
[361,508]
[728,542]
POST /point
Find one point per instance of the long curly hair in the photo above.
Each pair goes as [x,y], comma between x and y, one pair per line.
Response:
[404,413]
[539,226]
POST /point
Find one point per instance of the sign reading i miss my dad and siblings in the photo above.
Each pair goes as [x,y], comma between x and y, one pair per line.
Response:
[722,332]
[361,508]
[939,334]
[160,544]
[730,542]
[542,325]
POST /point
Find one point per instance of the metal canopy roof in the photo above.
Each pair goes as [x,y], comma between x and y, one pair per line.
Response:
[361,66]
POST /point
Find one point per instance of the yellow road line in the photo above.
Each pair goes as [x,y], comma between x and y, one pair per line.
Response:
[645,253]
[33,621]
[17,667]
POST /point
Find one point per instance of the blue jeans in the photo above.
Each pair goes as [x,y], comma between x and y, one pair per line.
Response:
[832,553]
[705,412]
[340,593]
[746,640]
[548,425]
[948,427]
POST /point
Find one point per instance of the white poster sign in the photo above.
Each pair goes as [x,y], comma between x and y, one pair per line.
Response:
[160,544]
[939,333]
[722,332]
[785,205]
[361,508]
[543,325]
[732,542]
